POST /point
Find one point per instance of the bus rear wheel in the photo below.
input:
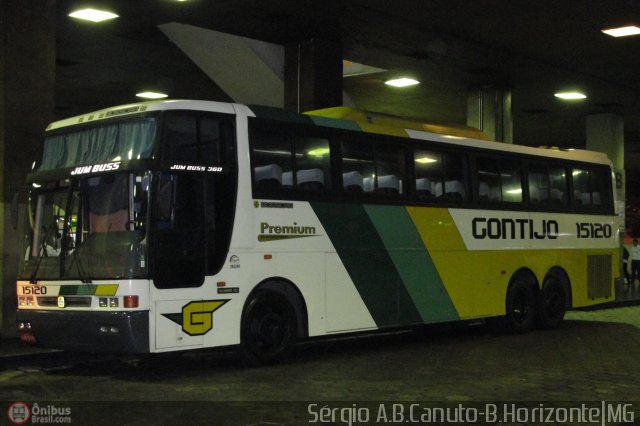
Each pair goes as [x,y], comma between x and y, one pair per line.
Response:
[552,304]
[521,306]
[268,328]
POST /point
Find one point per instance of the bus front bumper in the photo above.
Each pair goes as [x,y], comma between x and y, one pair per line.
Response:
[112,332]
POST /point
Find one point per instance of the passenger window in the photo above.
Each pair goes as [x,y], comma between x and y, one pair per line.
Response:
[440,175]
[455,177]
[358,167]
[272,165]
[372,168]
[547,185]
[428,166]
[558,186]
[389,169]
[312,158]
[590,188]
[499,180]
[282,161]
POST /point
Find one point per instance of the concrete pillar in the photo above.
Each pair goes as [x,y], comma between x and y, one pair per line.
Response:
[605,133]
[27,74]
[312,75]
[489,110]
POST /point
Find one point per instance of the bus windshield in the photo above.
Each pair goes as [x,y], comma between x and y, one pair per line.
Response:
[119,141]
[88,228]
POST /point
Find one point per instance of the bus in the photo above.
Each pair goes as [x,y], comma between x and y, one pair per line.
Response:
[177,225]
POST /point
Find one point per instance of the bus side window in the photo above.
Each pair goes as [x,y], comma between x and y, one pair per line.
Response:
[271,161]
[499,180]
[455,177]
[390,174]
[312,156]
[428,167]
[558,186]
[591,189]
[547,185]
[358,167]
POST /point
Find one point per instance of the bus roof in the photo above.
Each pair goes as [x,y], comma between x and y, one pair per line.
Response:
[343,118]
[141,107]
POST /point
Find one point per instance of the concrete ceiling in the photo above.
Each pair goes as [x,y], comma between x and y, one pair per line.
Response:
[534,48]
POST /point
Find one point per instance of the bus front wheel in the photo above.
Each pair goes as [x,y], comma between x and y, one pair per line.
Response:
[268,328]
[521,305]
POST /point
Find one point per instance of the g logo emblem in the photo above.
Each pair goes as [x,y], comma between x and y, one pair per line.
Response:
[197,317]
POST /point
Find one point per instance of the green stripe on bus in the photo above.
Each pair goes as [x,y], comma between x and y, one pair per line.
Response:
[413,262]
[367,262]
[77,290]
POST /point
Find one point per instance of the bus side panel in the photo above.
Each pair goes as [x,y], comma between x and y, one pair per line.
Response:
[388,263]
[345,309]
[477,252]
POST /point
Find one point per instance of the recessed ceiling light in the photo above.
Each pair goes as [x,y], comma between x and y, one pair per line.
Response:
[622,31]
[151,95]
[402,82]
[93,15]
[570,96]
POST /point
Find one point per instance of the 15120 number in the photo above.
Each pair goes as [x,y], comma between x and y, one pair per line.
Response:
[593,230]
[37,290]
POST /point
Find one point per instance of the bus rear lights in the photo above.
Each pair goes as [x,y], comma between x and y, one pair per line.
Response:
[221,284]
[268,257]
[103,302]
[109,329]
[26,301]
[131,301]
[113,302]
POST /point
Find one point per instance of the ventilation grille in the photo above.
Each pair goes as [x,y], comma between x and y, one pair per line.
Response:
[599,276]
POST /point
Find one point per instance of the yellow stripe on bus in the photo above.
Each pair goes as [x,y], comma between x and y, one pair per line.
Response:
[106,289]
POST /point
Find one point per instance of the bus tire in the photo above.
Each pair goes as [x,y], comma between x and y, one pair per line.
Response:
[552,304]
[521,305]
[268,330]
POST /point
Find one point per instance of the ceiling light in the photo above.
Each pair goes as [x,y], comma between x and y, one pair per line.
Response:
[93,15]
[151,95]
[570,96]
[622,31]
[402,82]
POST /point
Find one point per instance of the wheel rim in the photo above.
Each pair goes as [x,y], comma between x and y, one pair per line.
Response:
[521,307]
[269,330]
[553,304]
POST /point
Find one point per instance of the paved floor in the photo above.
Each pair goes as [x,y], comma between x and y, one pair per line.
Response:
[593,357]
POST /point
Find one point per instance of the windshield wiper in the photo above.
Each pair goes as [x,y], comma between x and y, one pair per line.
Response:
[76,260]
[41,254]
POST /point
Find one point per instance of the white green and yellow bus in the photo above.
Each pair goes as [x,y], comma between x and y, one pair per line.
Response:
[176,225]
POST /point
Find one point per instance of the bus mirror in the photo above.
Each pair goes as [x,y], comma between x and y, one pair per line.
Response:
[15,205]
